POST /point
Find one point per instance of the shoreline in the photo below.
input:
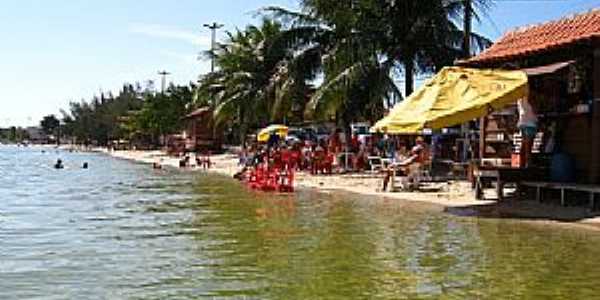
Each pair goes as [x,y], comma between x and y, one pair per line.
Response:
[454,197]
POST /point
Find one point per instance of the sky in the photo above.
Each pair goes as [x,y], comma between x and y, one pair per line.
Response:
[55,52]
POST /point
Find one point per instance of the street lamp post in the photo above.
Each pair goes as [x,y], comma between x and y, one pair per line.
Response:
[163,82]
[213,27]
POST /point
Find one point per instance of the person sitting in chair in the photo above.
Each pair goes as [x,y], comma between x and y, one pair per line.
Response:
[411,165]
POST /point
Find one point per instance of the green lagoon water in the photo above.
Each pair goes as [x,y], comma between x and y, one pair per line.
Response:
[121,230]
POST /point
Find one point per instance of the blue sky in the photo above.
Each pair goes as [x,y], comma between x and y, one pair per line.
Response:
[60,51]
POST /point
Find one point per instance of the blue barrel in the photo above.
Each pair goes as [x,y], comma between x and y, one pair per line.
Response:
[562,168]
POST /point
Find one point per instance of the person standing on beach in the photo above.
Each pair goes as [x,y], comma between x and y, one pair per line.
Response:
[273,140]
[528,126]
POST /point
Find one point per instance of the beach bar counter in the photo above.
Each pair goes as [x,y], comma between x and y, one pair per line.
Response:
[562,63]
[536,93]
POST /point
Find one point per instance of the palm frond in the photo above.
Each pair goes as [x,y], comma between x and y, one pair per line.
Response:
[287,16]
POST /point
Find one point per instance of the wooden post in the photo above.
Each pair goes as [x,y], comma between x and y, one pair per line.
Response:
[595,141]
[195,133]
[482,133]
[500,188]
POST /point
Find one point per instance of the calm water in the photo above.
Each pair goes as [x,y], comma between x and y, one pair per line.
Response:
[123,231]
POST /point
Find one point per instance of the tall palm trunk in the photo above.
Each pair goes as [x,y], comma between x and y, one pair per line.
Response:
[467,28]
[241,132]
[466,54]
[409,75]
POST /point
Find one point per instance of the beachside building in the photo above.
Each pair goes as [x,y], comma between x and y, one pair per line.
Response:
[199,133]
[553,69]
[36,135]
[562,61]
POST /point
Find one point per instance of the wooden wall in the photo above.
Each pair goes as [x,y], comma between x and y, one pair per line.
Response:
[594,172]
[576,143]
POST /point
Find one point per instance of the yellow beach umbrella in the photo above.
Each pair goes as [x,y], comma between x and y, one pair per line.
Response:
[454,96]
[263,134]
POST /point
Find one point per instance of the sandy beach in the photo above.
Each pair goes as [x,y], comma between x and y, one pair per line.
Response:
[454,197]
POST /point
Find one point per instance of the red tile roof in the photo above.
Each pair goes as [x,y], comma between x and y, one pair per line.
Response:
[537,38]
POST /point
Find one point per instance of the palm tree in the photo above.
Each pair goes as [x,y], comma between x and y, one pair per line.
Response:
[326,42]
[434,40]
[255,83]
[362,42]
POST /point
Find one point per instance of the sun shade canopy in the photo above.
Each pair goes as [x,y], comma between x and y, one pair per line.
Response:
[263,134]
[454,96]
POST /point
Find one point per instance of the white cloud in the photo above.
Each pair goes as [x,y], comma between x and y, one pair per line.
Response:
[161,31]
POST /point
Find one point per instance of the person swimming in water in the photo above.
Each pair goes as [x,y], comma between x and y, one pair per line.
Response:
[59,164]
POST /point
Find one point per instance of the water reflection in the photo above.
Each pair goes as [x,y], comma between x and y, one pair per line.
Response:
[341,246]
[122,230]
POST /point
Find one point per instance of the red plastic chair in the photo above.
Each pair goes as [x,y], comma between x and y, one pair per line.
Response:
[287,181]
[271,180]
[327,164]
[286,159]
[296,159]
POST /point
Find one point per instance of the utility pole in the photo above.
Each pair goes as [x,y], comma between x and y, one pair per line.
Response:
[213,27]
[213,43]
[163,82]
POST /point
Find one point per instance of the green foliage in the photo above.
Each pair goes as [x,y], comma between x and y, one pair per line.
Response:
[99,120]
[13,134]
[350,50]
[162,113]
[49,124]
[362,43]
[134,112]
[256,83]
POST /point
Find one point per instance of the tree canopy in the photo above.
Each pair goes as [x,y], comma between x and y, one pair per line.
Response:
[135,111]
[49,124]
[330,61]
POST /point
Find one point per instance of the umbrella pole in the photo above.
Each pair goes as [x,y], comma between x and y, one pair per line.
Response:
[466,141]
